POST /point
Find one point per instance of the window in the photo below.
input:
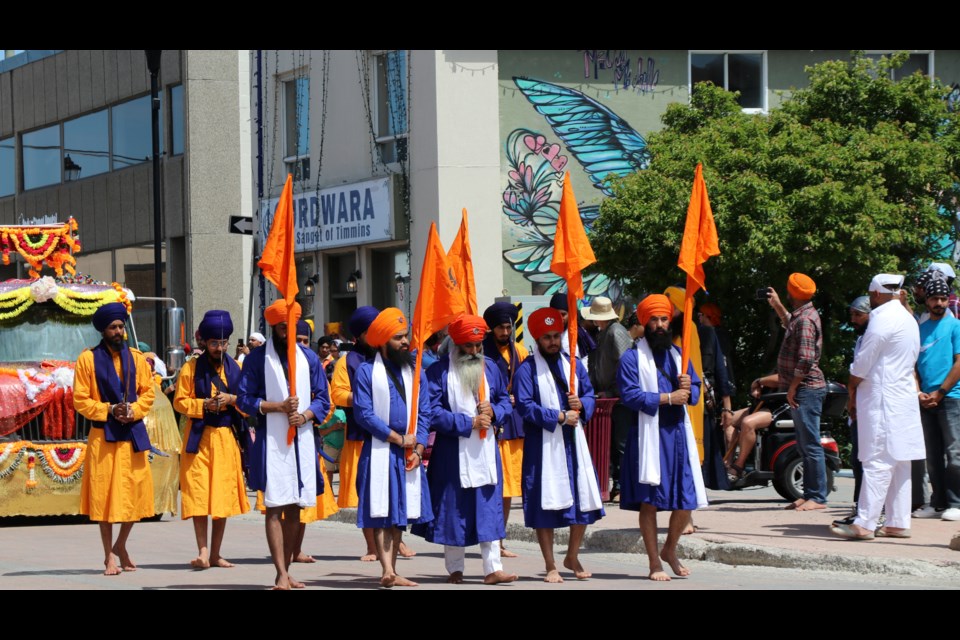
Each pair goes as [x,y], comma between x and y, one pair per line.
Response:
[86,146]
[7,168]
[176,118]
[296,117]
[391,105]
[41,157]
[922,62]
[132,138]
[743,72]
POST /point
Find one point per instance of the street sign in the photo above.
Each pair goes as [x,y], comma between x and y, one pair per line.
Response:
[241,224]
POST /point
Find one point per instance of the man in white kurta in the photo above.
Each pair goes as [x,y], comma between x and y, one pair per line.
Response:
[883,399]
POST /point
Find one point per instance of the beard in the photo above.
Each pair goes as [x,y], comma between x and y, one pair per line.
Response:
[859,330]
[399,357]
[659,339]
[469,368]
[280,344]
[676,325]
[365,350]
[215,359]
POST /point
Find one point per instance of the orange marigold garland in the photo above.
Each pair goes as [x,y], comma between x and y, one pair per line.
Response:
[53,244]
[14,449]
[62,464]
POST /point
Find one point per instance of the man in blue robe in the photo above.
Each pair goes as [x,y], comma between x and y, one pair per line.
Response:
[391,483]
[467,399]
[661,469]
[559,481]
[286,471]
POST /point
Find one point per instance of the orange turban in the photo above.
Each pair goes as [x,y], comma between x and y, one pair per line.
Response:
[656,304]
[712,311]
[387,324]
[800,286]
[467,329]
[277,312]
[543,321]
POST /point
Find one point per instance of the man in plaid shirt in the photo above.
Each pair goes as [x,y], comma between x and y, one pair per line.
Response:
[799,374]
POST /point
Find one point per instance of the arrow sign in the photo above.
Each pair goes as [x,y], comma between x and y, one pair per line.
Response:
[242,225]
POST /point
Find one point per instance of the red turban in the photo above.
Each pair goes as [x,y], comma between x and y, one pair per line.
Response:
[545,320]
[277,312]
[387,324]
[712,311]
[467,329]
[800,286]
[656,304]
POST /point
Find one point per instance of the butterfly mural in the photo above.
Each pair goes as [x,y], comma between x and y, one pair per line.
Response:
[604,145]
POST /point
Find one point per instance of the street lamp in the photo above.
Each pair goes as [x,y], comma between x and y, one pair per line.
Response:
[71,170]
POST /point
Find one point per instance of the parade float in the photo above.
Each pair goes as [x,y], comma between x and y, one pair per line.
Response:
[45,323]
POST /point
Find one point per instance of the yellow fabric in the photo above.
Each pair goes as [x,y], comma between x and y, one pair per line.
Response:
[349,459]
[211,480]
[328,506]
[164,434]
[340,385]
[117,484]
[511,455]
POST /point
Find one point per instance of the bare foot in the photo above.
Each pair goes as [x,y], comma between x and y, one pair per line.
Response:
[506,553]
[671,559]
[690,528]
[296,584]
[393,580]
[811,505]
[282,584]
[659,575]
[369,557]
[200,562]
[795,504]
[553,577]
[578,571]
[302,557]
[111,568]
[406,551]
[221,562]
[126,562]
[499,577]
[455,578]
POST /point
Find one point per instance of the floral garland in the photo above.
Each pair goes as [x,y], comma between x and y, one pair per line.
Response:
[63,465]
[16,449]
[79,298]
[34,382]
[31,470]
[53,244]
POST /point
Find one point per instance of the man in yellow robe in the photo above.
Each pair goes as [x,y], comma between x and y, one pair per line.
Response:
[113,388]
[211,474]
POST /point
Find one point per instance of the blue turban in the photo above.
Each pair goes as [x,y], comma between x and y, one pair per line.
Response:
[559,302]
[107,314]
[215,325]
[500,313]
[303,329]
[361,319]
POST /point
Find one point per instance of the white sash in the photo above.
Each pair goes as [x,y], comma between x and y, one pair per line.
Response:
[283,463]
[555,493]
[478,462]
[380,471]
[649,427]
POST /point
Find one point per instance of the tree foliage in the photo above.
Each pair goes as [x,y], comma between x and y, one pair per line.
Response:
[854,175]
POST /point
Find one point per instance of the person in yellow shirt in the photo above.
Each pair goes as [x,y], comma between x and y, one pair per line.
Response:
[501,346]
[113,388]
[211,474]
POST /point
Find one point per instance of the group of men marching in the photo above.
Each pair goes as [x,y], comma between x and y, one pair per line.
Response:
[506,425]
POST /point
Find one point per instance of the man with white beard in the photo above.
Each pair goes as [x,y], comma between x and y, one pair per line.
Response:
[469,400]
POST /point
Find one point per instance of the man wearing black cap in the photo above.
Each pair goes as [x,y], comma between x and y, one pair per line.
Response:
[113,388]
[211,475]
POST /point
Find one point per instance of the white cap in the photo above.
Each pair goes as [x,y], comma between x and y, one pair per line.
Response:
[258,337]
[943,268]
[882,281]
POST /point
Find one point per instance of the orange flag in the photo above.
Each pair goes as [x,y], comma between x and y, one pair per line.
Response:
[279,267]
[700,242]
[461,260]
[572,254]
[439,301]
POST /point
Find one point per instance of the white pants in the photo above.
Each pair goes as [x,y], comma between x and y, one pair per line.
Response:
[489,553]
[886,483]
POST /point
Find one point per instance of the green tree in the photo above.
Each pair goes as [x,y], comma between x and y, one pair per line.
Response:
[854,175]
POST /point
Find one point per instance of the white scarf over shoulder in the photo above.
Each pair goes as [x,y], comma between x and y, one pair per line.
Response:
[649,431]
[288,465]
[380,472]
[478,462]
[555,492]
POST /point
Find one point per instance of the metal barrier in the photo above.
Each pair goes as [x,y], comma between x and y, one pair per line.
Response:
[599,431]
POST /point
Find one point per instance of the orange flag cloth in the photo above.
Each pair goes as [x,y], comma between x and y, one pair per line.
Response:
[572,254]
[461,261]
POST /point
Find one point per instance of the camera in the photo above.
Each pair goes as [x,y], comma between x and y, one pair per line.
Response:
[763,293]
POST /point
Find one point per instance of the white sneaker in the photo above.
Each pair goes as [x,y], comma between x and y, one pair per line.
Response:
[926,511]
[952,514]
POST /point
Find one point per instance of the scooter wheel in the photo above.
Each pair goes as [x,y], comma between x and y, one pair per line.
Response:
[788,477]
